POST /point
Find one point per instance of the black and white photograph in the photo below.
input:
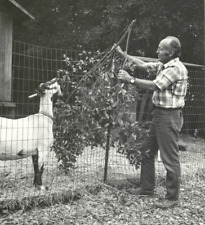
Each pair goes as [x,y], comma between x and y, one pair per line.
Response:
[102,112]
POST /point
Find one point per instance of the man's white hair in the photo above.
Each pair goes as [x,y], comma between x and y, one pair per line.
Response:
[175,46]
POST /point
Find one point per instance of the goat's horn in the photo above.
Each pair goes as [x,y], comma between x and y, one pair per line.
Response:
[33,95]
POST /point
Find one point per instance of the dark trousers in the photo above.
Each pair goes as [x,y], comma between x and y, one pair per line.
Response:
[163,135]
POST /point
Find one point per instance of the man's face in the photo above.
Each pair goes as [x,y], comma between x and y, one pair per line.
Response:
[164,51]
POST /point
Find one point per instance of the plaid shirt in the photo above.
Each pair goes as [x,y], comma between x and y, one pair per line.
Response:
[171,80]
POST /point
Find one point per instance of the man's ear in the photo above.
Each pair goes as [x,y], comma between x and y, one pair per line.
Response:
[171,54]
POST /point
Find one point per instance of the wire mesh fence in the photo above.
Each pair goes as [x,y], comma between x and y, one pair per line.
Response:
[33,65]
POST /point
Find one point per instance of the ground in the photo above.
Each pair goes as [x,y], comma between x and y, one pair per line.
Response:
[110,203]
[113,205]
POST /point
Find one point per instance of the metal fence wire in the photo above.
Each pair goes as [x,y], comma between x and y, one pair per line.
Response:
[32,65]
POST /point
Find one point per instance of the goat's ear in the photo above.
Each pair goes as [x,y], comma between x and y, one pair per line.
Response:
[44,86]
[41,89]
[40,92]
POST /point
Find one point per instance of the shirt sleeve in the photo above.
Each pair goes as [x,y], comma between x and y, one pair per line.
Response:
[152,68]
[167,77]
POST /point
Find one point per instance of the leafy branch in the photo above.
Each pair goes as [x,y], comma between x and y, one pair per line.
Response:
[98,102]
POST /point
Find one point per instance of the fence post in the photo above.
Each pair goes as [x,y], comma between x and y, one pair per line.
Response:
[107,149]
[142,108]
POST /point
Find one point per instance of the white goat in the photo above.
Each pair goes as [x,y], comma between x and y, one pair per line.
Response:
[32,135]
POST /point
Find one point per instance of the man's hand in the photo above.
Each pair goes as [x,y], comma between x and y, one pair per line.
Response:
[119,51]
[124,75]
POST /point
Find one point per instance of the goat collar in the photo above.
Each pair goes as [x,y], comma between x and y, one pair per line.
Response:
[46,114]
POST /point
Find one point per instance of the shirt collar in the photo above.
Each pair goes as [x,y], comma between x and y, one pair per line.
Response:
[171,63]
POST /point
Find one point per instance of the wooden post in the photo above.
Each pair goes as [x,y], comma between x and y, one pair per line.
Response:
[6,25]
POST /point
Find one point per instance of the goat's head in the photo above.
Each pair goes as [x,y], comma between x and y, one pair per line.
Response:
[49,88]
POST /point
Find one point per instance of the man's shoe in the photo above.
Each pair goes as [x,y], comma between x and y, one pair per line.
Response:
[166,204]
[140,192]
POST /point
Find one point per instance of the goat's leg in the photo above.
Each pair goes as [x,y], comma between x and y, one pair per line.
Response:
[37,172]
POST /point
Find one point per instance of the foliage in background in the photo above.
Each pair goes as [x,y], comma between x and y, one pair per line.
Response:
[97,24]
[94,112]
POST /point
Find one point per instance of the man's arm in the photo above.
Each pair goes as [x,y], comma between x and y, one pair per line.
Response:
[141,83]
[138,62]
[145,84]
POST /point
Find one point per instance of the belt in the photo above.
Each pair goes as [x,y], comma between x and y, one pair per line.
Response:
[167,109]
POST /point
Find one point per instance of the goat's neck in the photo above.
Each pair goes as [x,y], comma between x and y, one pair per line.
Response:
[46,105]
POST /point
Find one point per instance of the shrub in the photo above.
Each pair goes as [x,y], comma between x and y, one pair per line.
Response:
[94,111]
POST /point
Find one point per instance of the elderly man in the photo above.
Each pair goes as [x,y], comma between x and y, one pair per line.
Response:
[169,90]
